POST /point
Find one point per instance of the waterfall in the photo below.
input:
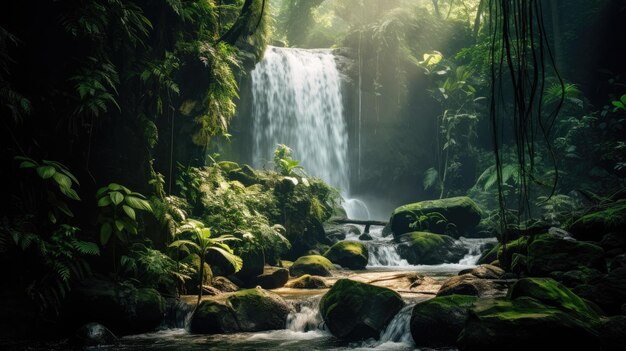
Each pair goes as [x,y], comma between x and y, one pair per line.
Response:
[305,317]
[297,102]
[399,329]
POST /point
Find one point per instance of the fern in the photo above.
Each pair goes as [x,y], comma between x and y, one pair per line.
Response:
[431,178]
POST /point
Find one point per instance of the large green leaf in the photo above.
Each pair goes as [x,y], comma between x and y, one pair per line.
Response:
[116,197]
[63,180]
[105,233]
[71,193]
[138,204]
[185,243]
[119,225]
[104,201]
[234,260]
[129,211]
[46,172]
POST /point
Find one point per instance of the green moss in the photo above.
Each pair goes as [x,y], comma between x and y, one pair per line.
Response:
[354,310]
[307,281]
[438,321]
[461,211]
[551,293]
[549,253]
[429,248]
[349,254]
[594,225]
[312,264]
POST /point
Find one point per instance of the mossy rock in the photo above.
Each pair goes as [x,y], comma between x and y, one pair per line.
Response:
[484,271]
[608,292]
[519,264]
[253,265]
[249,310]
[468,284]
[526,324]
[551,293]
[272,278]
[461,211]
[613,333]
[245,175]
[595,225]
[307,281]
[357,311]
[517,246]
[121,307]
[548,253]
[313,265]
[439,321]
[228,166]
[429,248]
[348,254]
[583,275]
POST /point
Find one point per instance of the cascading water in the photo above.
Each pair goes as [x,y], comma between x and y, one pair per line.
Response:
[297,101]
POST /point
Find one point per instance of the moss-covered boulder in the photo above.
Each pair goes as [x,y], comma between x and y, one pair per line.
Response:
[608,292]
[526,324]
[123,308]
[313,265]
[356,311]
[348,254]
[247,310]
[593,226]
[460,212]
[307,281]
[429,248]
[439,321]
[272,278]
[539,313]
[548,253]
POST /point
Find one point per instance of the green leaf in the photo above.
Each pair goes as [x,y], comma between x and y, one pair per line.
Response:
[27,164]
[105,233]
[119,225]
[101,191]
[63,180]
[618,104]
[116,197]
[71,193]
[104,201]
[234,260]
[129,211]
[138,204]
[186,243]
[114,186]
[46,172]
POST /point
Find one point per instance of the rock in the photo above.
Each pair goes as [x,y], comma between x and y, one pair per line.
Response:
[272,278]
[92,335]
[348,254]
[595,225]
[517,246]
[613,242]
[245,175]
[429,248]
[577,277]
[613,333]
[365,237]
[484,271]
[313,264]
[609,292]
[253,265]
[192,285]
[468,284]
[461,212]
[223,284]
[548,253]
[439,321]
[122,307]
[307,281]
[489,255]
[247,310]
[525,324]
[539,313]
[358,311]
[618,262]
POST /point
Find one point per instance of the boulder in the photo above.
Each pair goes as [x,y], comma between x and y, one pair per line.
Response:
[613,333]
[593,226]
[548,253]
[614,242]
[526,324]
[519,264]
[272,278]
[247,310]
[461,215]
[358,311]
[468,284]
[573,278]
[439,321]
[517,246]
[223,284]
[429,248]
[608,292]
[253,265]
[618,262]
[484,271]
[312,264]
[348,254]
[92,335]
[307,281]
[245,175]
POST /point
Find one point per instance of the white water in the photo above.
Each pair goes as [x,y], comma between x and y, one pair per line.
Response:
[297,101]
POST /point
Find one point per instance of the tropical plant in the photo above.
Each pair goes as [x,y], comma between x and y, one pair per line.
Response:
[118,214]
[54,175]
[283,162]
[620,104]
[200,242]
